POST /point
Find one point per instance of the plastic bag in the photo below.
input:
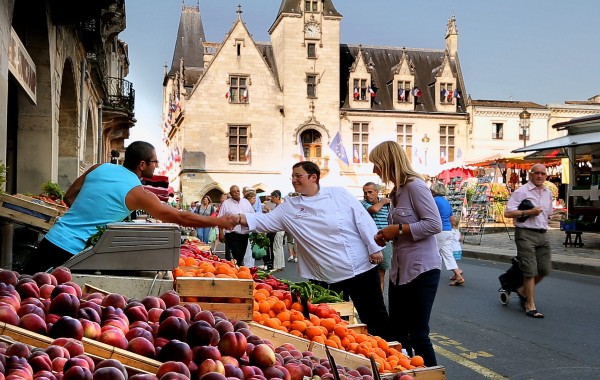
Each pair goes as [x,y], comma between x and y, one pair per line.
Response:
[212,235]
[258,252]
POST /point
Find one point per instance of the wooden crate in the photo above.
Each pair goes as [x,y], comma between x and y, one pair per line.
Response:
[27,210]
[345,309]
[60,208]
[212,294]
[429,373]
[278,337]
[91,347]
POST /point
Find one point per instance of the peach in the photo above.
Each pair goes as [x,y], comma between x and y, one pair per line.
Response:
[33,322]
[262,356]
[175,350]
[171,298]
[67,327]
[112,373]
[114,337]
[172,366]
[142,346]
[64,304]
[112,363]
[173,328]
[62,274]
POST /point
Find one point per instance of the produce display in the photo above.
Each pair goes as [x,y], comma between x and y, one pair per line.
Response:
[191,343]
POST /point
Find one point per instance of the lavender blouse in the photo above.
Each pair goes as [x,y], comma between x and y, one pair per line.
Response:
[413,204]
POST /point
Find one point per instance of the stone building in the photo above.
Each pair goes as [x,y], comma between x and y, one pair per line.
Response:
[64,102]
[243,112]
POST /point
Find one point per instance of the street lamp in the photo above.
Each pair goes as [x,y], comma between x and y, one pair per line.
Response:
[524,119]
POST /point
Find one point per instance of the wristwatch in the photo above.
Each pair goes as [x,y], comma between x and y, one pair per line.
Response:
[399,230]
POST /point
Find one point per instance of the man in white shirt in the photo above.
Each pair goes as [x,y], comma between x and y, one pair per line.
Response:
[236,240]
[335,241]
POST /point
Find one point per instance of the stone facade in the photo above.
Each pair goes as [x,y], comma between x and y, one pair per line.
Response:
[73,60]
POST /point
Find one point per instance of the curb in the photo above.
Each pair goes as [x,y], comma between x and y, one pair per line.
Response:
[587,266]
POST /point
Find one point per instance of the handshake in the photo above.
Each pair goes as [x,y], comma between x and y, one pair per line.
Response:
[229,221]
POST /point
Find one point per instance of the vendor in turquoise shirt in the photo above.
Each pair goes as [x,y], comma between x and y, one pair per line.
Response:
[108,193]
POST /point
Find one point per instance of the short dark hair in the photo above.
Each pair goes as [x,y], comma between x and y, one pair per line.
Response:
[310,168]
[137,152]
[276,193]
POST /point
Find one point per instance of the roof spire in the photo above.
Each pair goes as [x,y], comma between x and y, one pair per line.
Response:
[239,11]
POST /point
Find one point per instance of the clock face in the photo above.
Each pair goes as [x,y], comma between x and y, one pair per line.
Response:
[311,30]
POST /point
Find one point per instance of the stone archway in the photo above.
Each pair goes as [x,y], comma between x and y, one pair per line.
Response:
[68,136]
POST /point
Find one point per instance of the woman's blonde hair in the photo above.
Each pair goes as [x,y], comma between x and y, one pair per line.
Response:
[249,194]
[393,163]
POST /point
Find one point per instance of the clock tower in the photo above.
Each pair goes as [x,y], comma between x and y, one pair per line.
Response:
[306,45]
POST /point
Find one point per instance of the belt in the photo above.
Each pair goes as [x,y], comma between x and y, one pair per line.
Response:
[538,230]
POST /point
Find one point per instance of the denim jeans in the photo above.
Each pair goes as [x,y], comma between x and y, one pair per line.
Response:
[410,309]
[203,233]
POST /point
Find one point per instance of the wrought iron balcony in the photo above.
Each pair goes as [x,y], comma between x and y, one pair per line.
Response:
[121,94]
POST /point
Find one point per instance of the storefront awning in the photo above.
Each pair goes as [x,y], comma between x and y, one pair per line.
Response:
[564,142]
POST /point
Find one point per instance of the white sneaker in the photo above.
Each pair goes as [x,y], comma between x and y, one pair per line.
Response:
[290,259]
[295,259]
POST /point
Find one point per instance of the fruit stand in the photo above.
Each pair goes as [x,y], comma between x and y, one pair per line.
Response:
[191,327]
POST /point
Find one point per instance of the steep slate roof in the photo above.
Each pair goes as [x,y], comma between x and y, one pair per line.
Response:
[266,49]
[426,64]
[295,6]
[506,104]
[188,45]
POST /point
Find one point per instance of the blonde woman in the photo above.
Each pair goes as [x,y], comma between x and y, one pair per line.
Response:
[413,221]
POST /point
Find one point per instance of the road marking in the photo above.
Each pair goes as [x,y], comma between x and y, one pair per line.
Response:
[483,371]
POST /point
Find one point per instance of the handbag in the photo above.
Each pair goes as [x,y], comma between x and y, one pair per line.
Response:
[212,235]
[258,252]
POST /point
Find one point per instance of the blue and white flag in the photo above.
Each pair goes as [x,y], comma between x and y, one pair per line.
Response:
[338,148]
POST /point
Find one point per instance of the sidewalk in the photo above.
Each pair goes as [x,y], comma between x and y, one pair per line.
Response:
[498,246]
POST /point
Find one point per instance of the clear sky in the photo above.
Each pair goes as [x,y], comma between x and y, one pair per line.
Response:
[545,51]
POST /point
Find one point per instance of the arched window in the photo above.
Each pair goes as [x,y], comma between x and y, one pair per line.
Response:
[311,144]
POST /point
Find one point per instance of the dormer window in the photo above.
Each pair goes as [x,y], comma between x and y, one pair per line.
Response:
[360,89]
[404,88]
[447,93]
[311,5]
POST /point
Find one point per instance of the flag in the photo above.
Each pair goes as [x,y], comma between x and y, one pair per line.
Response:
[248,153]
[444,93]
[456,94]
[227,95]
[356,93]
[416,92]
[442,157]
[450,95]
[373,94]
[338,148]
[401,94]
[302,158]
[245,95]
[355,155]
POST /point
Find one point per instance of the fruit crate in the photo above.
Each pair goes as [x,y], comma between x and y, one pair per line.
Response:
[29,211]
[133,362]
[278,337]
[346,310]
[234,297]
[428,373]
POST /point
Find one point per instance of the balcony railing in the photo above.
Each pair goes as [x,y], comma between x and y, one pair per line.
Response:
[321,162]
[121,94]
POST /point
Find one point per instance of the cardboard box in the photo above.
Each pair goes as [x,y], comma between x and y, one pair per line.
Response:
[234,297]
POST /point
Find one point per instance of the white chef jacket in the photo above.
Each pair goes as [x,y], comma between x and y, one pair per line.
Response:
[334,233]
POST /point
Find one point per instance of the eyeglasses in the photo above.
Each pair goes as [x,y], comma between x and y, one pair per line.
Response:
[298,176]
[155,161]
[539,173]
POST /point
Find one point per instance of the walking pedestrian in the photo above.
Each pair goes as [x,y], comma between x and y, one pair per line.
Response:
[531,225]
[236,239]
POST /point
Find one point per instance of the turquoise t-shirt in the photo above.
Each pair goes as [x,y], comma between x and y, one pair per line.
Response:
[100,201]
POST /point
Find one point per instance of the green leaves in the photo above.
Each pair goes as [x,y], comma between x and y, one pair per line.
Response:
[259,240]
